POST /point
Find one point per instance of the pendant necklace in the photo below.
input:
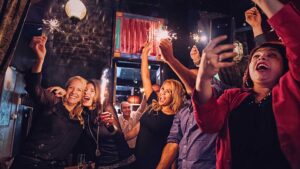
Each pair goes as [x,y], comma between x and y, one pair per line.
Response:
[97,152]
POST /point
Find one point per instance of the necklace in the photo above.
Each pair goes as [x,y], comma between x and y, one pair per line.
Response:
[255,101]
[96,139]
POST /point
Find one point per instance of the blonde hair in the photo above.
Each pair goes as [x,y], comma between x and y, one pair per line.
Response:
[78,109]
[177,96]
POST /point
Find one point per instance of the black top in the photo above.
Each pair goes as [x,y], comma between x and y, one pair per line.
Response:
[54,134]
[154,130]
[253,136]
[113,147]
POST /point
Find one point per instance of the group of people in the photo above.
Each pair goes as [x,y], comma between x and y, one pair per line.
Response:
[253,126]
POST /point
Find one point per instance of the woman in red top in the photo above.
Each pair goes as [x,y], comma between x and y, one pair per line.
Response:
[258,125]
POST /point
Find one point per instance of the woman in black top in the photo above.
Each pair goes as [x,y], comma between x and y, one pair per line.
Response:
[60,121]
[102,140]
[154,126]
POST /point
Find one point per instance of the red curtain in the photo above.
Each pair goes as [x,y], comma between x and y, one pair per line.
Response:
[135,32]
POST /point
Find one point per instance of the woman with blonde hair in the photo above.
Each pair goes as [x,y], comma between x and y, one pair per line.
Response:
[154,126]
[59,121]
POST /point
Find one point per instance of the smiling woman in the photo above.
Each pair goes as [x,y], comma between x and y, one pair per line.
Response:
[60,121]
[256,124]
[154,126]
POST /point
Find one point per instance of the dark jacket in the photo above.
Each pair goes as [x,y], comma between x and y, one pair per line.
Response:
[54,134]
[112,146]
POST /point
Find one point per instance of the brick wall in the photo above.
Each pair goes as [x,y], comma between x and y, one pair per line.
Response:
[82,49]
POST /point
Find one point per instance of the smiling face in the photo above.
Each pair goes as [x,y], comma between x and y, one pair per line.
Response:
[165,95]
[125,109]
[266,66]
[74,92]
[89,95]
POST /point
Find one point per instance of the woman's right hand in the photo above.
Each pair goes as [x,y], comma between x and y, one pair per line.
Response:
[212,56]
[38,45]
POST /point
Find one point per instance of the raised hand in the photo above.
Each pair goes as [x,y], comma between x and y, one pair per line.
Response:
[269,7]
[195,55]
[38,45]
[166,48]
[253,17]
[212,56]
[146,49]
[57,90]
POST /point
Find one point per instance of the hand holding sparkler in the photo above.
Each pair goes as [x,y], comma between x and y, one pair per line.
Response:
[106,117]
[163,33]
[166,48]
[38,45]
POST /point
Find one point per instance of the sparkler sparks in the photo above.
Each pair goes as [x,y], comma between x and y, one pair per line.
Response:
[199,38]
[163,33]
[104,82]
[52,25]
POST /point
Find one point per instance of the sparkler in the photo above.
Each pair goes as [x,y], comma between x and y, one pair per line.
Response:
[199,37]
[52,25]
[104,82]
[163,33]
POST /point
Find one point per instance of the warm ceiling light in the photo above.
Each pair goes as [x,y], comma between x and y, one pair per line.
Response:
[75,10]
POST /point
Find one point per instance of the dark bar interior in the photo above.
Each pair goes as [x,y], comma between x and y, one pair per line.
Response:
[132,120]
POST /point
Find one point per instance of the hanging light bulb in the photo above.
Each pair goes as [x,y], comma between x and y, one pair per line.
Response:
[75,10]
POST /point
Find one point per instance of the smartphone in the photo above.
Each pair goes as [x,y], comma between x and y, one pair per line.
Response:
[223,26]
[37,31]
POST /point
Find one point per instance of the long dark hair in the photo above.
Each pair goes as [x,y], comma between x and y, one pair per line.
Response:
[247,81]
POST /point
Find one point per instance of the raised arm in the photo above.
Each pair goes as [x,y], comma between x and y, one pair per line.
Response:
[270,7]
[187,76]
[139,112]
[38,44]
[145,73]
[253,18]
[33,79]
[133,133]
